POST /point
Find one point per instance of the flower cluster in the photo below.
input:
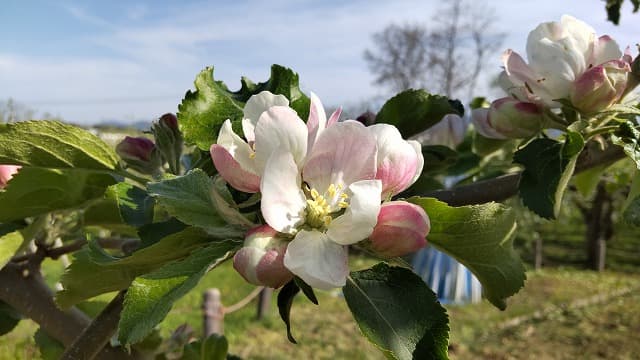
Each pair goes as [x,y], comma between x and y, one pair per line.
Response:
[322,184]
[567,63]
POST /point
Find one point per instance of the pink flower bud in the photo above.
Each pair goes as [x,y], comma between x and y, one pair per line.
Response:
[509,118]
[140,154]
[601,86]
[261,260]
[169,120]
[402,228]
[6,173]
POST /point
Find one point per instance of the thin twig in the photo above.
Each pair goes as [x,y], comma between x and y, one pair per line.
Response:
[242,303]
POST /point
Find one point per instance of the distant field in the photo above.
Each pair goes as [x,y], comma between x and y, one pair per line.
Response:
[605,330]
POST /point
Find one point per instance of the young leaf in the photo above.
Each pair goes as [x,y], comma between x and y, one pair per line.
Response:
[215,347]
[134,204]
[51,144]
[306,290]
[36,191]
[50,349]
[479,237]
[285,300]
[188,198]
[629,139]
[106,273]
[151,296]
[202,112]
[9,244]
[413,111]
[549,165]
[397,312]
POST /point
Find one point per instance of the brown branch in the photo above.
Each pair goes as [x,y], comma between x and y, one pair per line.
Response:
[26,291]
[95,336]
[504,187]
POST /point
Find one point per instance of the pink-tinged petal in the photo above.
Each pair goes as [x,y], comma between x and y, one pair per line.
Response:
[232,171]
[357,222]
[261,260]
[334,117]
[317,121]
[402,228]
[317,260]
[6,173]
[604,49]
[417,147]
[238,148]
[480,121]
[255,106]
[280,128]
[517,69]
[283,203]
[397,161]
[343,154]
[520,74]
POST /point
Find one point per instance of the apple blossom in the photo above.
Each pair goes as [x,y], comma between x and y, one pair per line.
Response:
[331,201]
[559,54]
[399,162]
[509,118]
[241,163]
[401,228]
[6,173]
[601,86]
[260,260]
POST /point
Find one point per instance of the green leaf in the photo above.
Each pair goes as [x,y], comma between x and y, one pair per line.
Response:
[9,244]
[50,349]
[587,180]
[152,233]
[285,300]
[151,296]
[9,317]
[413,111]
[202,112]
[36,191]
[215,347]
[549,165]
[479,237]
[438,158]
[397,312]
[188,198]
[106,273]
[306,290]
[134,204]
[51,144]
[629,139]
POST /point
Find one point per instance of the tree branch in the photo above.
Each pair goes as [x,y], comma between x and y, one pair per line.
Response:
[95,336]
[26,291]
[504,187]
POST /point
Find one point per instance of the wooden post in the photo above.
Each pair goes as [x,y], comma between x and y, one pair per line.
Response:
[213,313]
[264,302]
[538,251]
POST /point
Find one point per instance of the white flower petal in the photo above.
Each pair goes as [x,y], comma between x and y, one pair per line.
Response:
[418,149]
[317,121]
[343,154]
[317,260]
[255,106]
[238,148]
[283,202]
[233,172]
[280,128]
[359,219]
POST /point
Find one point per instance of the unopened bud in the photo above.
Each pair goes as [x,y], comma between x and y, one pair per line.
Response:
[402,228]
[367,118]
[261,260]
[140,154]
[509,118]
[168,140]
[601,86]
[6,173]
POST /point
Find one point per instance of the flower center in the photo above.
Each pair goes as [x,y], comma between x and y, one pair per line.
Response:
[319,209]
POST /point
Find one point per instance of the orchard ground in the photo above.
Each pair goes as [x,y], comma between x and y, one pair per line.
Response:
[562,313]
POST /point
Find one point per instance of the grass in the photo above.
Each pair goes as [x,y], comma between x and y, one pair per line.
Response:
[328,331]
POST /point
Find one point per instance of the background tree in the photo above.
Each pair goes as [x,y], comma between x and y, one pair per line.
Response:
[447,58]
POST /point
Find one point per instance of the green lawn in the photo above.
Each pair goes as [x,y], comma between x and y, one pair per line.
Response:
[605,330]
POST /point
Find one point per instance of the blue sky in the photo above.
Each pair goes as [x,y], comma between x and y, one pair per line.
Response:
[129,60]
